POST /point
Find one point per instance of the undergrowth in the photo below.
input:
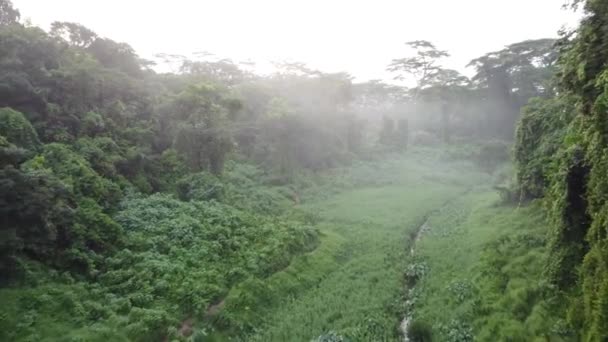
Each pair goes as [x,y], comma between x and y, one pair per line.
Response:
[485,279]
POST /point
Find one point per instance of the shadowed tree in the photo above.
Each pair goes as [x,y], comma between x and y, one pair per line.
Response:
[511,76]
[447,87]
[202,133]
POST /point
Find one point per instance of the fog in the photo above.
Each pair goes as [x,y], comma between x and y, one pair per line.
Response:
[358,37]
[356,42]
[301,171]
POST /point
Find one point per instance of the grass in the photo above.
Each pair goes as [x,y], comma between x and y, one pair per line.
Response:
[355,287]
[485,278]
[481,263]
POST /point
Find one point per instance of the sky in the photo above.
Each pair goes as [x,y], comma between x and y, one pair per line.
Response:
[356,36]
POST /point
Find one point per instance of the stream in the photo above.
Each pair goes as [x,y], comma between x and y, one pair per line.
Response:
[405,322]
[423,228]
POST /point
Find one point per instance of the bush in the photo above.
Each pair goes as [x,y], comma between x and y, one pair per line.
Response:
[221,246]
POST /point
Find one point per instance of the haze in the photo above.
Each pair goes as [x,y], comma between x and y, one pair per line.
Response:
[311,171]
[360,37]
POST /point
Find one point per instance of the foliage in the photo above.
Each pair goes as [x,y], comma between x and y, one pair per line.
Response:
[457,331]
[18,130]
[415,271]
[486,277]
[201,187]
[139,205]
[245,190]
[540,133]
[11,154]
[178,258]
[353,282]
[36,216]
[202,135]
[575,182]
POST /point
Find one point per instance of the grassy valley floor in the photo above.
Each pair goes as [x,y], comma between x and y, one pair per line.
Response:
[477,265]
[353,284]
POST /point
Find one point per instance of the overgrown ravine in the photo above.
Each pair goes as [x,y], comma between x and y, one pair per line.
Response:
[355,279]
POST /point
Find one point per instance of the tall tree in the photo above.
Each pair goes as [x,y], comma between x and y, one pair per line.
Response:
[511,76]
[447,87]
[75,34]
[202,133]
[421,66]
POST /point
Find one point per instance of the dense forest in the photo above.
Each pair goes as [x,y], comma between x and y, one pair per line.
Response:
[215,203]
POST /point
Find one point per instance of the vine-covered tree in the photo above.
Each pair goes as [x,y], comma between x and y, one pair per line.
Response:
[561,154]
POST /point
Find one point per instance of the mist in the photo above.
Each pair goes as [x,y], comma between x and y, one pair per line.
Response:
[360,38]
[314,171]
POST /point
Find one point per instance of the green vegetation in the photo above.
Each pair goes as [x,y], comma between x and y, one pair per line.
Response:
[567,165]
[484,277]
[213,203]
[245,263]
[176,259]
[362,299]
